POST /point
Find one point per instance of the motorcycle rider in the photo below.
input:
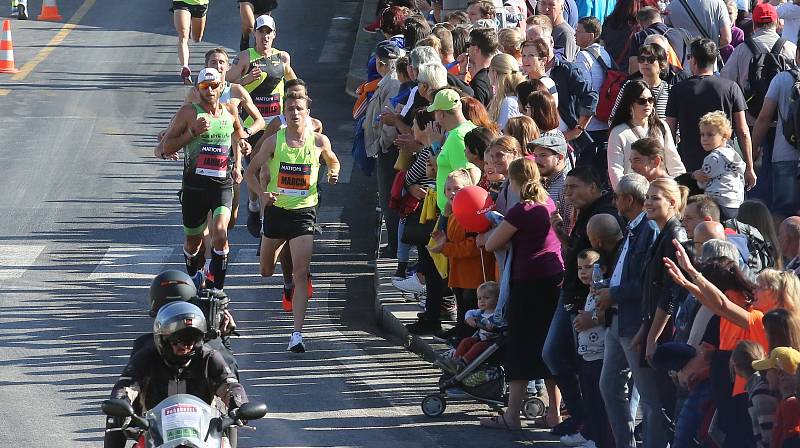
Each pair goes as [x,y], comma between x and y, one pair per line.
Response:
[178,362]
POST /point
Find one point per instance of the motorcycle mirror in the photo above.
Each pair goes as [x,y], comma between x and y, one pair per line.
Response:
[116,407]
[251,411]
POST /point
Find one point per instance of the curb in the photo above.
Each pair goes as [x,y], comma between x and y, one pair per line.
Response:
[362,48]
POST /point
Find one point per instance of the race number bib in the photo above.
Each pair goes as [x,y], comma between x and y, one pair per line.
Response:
[212,161]
[294,179]
[268,106]
[180,421]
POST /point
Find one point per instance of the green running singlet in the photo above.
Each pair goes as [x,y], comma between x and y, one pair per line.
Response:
[294,172]
[267,91]
[208,158]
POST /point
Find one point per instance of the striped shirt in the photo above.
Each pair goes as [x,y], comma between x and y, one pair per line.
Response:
[661,94]
[416,173]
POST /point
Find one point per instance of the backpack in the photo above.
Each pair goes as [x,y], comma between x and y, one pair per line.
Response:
[790,123]
[679,39]
[612,83]
[760,249]
[763,67]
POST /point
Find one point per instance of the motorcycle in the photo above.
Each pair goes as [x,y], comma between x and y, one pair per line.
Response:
[182,421]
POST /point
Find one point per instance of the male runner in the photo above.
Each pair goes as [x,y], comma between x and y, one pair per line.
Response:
[249,10]
[188,15]
[213,142]
[290,198]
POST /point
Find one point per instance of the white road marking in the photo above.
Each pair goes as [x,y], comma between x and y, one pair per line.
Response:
[17,258]
[131,262]
[336,48]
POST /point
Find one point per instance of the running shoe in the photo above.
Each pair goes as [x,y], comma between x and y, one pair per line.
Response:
[186,76]
[22,13]
[286,300]
[296,343]
[373,27]
[411,285]
[254,223]
[310,287]
[576,440]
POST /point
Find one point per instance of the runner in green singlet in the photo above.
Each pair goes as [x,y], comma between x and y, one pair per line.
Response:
[188,14]
[213,141]
[290,198]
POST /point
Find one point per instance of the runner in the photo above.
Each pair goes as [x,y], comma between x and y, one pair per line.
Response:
[290,198]
[188,14]
[249,10]
[211,136]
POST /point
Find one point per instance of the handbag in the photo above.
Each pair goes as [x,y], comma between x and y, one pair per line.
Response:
[416,233]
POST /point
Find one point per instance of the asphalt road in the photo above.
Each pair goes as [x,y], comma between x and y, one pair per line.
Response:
[91,216]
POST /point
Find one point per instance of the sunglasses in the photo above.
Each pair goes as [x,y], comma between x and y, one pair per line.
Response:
[648,59]
[208,84]
[643,101]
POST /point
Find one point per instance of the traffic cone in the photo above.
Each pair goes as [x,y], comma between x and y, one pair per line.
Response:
[49,11]
[7,50]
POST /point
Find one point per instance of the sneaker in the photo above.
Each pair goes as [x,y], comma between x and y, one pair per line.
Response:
[310,287]
[22,13]
[373,27]
[286,300]
[449,364]
[186,76]
[423,326]
[411,285]
[254,223]
[575,439]
[567,427]
[296,343]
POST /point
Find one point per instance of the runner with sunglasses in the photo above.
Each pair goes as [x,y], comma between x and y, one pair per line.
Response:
[213,141]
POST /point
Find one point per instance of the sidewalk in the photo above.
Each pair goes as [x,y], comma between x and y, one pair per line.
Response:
[363,47]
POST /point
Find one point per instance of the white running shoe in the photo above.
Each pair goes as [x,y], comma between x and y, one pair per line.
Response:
[296,343]
[411,285]
[576,440]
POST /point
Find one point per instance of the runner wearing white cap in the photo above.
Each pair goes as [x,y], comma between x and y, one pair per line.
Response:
[249,10]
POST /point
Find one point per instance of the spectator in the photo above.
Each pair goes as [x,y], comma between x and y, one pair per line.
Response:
[618,29]
[523,129]
[702,93]
[789,13]
[624,295]
[430,41]
[756,214]
[475,112]
[392,21]
[651,22]
[634,120]
[595,8]
[781,368]
[416,28]
[458,19]
[737,34]
[446,49]
[550,150]
[782,328]
[483,46]
[543,110]
[563,34]
[722,173]
[675,71]
[538,27]
[476,143]
[789,239]
[761,402]
[653,66]
[469,348]
[785,199]
[535,56]
[431,77]
[511,40]
[536,264]
[647,157]
[699,208]
[504,76]
[765,35]
[712,15]
[480,9]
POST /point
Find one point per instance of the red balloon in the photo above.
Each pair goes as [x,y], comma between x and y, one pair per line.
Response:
[469,207]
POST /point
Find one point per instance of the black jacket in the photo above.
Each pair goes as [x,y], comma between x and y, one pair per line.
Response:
[658,289]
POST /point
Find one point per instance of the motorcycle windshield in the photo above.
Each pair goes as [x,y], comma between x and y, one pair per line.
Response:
[180,421]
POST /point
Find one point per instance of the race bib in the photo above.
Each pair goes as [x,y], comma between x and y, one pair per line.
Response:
[294,179]
[212,161]
[268,106]
[180,421]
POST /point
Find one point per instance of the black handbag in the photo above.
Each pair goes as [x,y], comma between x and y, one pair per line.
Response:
[415,233]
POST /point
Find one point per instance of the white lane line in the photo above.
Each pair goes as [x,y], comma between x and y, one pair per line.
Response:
[17,258]
[335,48]
[131,262]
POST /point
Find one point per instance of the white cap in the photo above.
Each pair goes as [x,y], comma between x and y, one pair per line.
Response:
[265,20]
[209,74]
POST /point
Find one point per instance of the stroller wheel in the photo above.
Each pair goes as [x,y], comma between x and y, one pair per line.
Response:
[433,405]
[533,407]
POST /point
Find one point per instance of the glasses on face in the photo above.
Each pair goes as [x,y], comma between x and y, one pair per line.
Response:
[184,340]
[644,101]
[208,84]
[647,59]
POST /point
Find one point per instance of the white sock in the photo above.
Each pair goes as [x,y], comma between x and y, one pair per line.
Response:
[253,206]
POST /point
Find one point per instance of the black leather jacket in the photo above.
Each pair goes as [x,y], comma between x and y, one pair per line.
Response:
[659,291]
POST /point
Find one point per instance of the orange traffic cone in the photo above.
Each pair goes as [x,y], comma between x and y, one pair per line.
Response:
[7,50]
[49,11]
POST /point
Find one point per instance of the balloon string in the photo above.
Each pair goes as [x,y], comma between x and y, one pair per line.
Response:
[483,268]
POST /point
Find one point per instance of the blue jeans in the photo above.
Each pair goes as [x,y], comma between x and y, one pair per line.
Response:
[785,188]
[559,352]
[403,249]
[692,414]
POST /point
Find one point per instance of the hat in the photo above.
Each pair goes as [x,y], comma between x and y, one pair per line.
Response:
[673,356]
[764,13]
[388,49]
[266,20]
[552,140]
[445,99]
[784,358]
[209,74]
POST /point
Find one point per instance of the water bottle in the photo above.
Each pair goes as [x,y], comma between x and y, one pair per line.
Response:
[597,277]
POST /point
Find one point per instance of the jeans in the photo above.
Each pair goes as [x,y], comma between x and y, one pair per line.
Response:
[561,358]
[620,356]
[692,414]
[385,174]
[403,249]
[785,188]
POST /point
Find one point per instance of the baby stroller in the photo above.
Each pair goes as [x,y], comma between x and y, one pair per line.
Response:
[482,380]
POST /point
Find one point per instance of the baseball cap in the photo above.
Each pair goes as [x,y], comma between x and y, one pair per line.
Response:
[764,13]
[445,99]
[266,20]
[552,140]
[209,75]
[784,358]
[388,49]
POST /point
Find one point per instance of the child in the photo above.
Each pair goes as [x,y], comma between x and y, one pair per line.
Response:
[781,367]
[722,173]
[469,348]
[464,258]
[590,326]
[761,402]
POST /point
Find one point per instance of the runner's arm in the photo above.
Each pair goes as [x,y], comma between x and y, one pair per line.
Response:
[239,140]
[246,102]
[236,72]
[330,158]
[288,71]
[259,159]
[180,132]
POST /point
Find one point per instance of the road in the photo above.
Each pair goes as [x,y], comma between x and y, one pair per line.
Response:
[91,216]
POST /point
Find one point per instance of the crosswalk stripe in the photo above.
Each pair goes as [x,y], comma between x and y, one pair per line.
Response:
[15,259]
[131,262]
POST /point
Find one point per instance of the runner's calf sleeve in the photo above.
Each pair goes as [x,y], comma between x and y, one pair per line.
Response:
[192,262]
[219,266]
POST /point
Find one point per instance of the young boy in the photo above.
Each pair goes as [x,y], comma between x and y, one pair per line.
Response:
[761,402]
[469,348]
[722,173]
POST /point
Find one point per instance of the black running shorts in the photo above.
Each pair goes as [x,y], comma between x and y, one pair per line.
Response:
[197,11]
[261,7]
[197,202]
[283,224]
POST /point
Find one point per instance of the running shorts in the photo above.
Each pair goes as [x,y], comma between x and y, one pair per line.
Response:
[197,11]
[284,224]
[197,202]
[261,7]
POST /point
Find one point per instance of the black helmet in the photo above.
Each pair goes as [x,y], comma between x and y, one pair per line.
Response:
[178,321]
[170,286]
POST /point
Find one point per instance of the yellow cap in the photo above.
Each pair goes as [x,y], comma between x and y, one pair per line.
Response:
[784,358]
